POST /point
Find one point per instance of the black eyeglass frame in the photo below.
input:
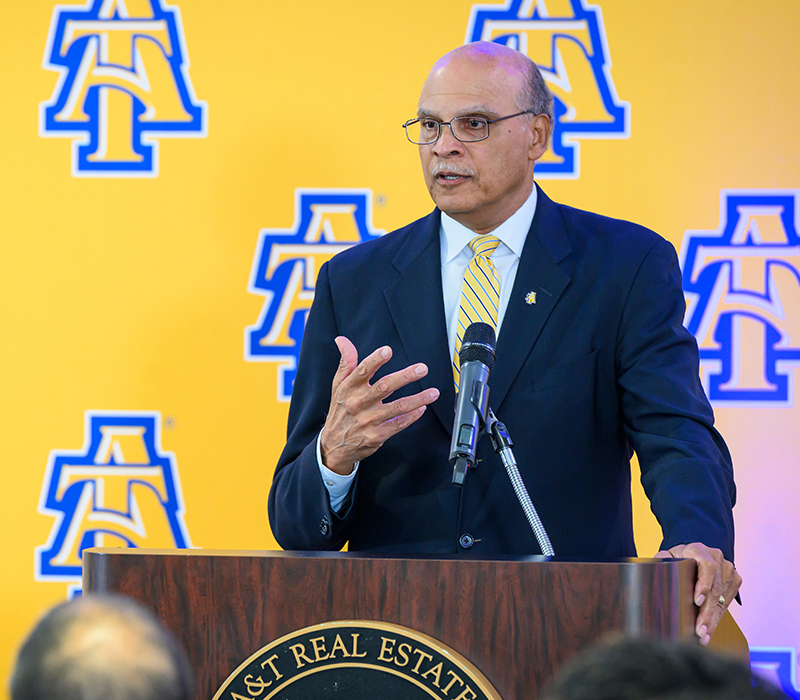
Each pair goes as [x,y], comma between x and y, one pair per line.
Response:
[449,124]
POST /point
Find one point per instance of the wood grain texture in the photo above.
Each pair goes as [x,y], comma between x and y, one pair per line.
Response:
[517,620]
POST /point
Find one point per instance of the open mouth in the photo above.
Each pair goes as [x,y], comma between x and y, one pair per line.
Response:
[448,178]
[450,174]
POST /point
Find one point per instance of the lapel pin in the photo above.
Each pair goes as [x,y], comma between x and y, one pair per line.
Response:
[530,298]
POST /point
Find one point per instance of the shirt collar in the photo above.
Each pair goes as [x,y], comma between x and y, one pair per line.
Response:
[511,232]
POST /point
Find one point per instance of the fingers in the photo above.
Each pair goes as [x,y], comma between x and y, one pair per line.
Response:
[708,597]
[403,412]
[387,385]
[717,585]
[394,416]
[734,582]
[358,420]
[347,362]
[371,364]
[360,395]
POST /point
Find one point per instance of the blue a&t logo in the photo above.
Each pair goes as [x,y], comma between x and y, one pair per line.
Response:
[567,40]
[742,286]
[119,490]
[285,269]
[777,665]
[123,83]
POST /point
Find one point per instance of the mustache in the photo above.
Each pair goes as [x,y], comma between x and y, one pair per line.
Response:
[454,168]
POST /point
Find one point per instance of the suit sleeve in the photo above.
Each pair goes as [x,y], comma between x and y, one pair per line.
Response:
[686,467]
[299,505]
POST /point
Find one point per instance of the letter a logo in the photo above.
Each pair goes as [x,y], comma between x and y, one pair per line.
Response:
[742,286]
[285,269]
[567,40]
[123,83]
[119,490]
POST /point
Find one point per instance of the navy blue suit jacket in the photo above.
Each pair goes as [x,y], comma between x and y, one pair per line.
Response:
[599,366]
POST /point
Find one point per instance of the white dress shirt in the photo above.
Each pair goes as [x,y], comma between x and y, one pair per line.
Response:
[455,253]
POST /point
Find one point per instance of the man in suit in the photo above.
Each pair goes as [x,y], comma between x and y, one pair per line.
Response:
[592,363]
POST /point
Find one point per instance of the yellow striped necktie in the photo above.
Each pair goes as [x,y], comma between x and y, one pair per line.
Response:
[480,293]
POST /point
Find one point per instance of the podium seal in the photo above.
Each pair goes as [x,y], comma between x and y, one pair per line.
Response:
[357,660]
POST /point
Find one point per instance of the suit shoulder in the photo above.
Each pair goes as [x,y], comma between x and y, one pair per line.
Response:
[614,233]
[591,222]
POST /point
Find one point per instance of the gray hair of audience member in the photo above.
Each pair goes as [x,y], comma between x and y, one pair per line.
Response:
[648,669]
[101,647]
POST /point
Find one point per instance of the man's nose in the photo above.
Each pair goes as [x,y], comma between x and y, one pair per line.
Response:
[447,143]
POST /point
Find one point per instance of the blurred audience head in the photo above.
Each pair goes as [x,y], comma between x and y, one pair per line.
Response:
[101,647]
[647,669]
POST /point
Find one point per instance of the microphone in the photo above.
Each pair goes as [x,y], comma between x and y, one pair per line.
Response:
[477,359]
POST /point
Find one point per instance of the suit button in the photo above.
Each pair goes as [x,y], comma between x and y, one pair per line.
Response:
[466,541]
[324,526]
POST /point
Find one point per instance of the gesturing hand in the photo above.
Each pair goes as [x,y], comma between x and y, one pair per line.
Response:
[717,584]
[358,420]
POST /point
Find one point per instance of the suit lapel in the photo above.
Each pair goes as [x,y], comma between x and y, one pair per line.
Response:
[417,308]
[538,272]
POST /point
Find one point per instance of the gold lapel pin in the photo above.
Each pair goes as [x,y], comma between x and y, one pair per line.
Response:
[530,298]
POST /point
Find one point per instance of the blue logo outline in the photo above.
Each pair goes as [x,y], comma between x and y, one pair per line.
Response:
[704,288]
[64,506]
[781,660]
[274,286]
[566,136]
[85,136]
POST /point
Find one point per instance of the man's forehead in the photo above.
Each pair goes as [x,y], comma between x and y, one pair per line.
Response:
[460,79]
[450,105]
[474,69]
[454,98]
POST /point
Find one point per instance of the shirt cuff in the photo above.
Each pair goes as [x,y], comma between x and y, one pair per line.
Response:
[338,486]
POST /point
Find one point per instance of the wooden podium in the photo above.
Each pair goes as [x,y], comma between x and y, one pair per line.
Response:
[515,619]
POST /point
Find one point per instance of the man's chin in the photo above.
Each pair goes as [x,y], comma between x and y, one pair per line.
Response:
[462,214]
[451,203]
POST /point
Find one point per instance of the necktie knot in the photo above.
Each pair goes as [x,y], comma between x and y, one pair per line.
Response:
[484,245]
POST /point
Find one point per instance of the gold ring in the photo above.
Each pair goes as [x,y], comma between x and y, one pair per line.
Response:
[722,600]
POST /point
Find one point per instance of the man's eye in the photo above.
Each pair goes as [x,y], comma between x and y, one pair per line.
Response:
[429,124]
[474,123]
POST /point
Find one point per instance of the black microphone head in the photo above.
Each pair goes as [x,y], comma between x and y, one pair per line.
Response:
[478,344]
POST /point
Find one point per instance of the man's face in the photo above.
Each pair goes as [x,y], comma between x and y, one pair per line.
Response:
[479,184]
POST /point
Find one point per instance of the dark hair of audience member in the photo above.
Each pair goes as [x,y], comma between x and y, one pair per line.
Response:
[101,647]
[647,669]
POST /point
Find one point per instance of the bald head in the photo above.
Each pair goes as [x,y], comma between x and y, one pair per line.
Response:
[101,646]
[484,51]
[531,93]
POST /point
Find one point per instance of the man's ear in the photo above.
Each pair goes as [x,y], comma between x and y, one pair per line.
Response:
[540,132]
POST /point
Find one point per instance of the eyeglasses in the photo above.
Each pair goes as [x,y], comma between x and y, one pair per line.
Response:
[425,131]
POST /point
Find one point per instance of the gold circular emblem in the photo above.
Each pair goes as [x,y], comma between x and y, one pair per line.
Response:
[356,659]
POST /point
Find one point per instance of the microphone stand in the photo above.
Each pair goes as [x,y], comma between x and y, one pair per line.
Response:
[501,441]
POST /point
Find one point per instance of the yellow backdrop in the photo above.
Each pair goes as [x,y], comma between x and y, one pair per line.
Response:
[140,178]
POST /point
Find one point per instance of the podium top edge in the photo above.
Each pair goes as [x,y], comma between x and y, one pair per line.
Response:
[269,553]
